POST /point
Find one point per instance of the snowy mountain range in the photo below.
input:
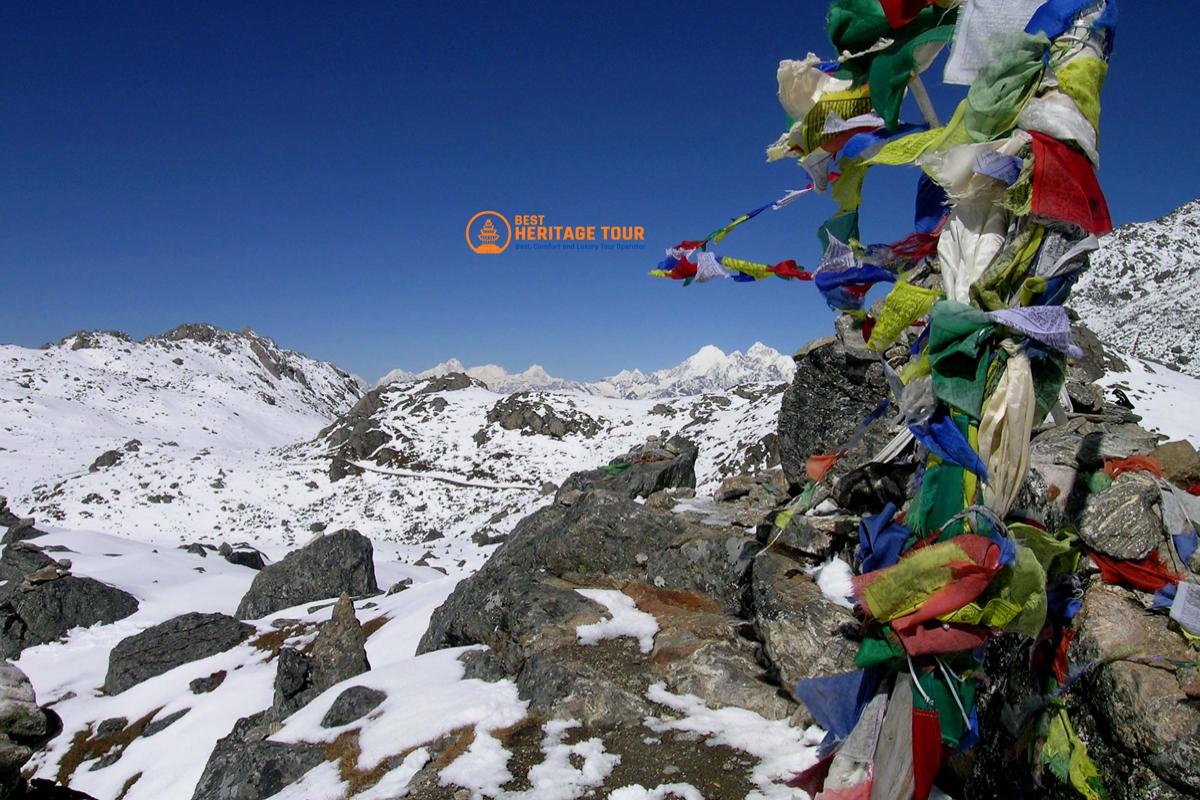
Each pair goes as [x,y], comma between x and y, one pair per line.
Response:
[709,370]
[208,435]
[1143,289]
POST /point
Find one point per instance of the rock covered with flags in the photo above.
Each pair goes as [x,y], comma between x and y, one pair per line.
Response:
[974,341]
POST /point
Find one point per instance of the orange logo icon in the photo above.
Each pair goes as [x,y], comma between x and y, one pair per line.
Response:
[483,235]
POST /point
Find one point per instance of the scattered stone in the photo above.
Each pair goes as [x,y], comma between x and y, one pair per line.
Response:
[400,586]
[334,564]
[208,683]
[318,527]
[110,726]
[158,725]
[161,648]
[528,413]
[352,704]
[106,459]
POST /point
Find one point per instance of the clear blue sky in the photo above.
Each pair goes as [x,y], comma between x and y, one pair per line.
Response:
[308,169]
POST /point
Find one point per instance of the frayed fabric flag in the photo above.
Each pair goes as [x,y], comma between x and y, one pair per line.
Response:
[880,540]
[1004,431]
[977,21]
[1050,325]
[1065,187]
[942,437]
[929,581]
[903,306]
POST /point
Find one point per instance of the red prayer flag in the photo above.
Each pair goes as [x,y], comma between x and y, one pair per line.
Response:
[817,466]
[1065,186]
[788,269]
[1115,466]
[902,12]
[1149,574]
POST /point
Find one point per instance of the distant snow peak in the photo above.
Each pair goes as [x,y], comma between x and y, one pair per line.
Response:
[1143,288]
[709,369]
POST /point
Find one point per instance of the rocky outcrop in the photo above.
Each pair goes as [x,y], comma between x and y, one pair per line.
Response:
[356,435]
[528,413]
[338,653]
[639,473]
[161,648]
[835,387]
[331,565]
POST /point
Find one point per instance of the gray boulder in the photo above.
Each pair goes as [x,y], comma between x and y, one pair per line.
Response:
[804,634]
[245,765]
[108,458]
[353,703]
[23,727]
[161,648]
[1145,716]
[243,555]
[41,613]
[331,565]
[1124,521]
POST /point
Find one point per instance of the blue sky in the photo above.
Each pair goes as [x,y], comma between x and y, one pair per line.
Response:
[308,169]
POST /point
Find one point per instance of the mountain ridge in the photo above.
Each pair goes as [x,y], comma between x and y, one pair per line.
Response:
[1143,287]
[709,369]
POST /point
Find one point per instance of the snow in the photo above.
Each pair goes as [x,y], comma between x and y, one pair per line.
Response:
[782,750]
[1167,401]
[626,620]
[483,771]
[834,579]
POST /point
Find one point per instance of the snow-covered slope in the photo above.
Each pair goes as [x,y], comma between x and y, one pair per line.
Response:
[1143,289]
[193,388]
[708,370]
[1167,401]
[447,473]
